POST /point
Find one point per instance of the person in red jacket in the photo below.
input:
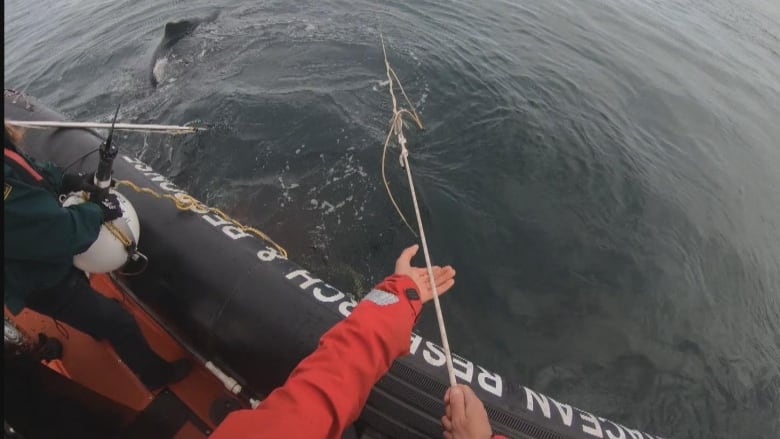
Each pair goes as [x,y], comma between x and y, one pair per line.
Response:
[325,393]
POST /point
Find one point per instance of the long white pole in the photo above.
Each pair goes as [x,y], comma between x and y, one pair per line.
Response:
[175,129]
[396,125]
[439,316]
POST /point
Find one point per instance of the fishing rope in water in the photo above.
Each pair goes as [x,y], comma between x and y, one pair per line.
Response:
[396,128]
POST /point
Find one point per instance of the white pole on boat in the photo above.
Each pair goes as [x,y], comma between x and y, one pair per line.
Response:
[171,129]
[396,126]
[229,382]
[442,329]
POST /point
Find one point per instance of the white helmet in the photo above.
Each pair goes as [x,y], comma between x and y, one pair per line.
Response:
[117,238]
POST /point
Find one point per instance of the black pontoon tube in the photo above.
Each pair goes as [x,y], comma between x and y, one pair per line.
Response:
[237,301]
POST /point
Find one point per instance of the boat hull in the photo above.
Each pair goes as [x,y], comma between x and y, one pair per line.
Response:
[239,303]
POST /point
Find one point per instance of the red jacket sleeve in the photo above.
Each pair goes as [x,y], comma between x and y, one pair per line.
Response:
[328,389]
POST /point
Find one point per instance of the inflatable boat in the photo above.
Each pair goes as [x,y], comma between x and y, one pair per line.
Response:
[234,303]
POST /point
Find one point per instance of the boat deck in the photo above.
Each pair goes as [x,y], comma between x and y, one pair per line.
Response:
[96,366]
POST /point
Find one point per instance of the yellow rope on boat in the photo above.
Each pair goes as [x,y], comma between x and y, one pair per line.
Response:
[118,234]
[127,242]
[187,202]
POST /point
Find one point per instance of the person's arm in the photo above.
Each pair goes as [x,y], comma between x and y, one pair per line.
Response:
[37,228]
[328,389]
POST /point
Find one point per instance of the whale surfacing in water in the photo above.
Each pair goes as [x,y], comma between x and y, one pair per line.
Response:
[174,32]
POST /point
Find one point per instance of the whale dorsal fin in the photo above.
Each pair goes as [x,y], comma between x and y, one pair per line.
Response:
[179,28]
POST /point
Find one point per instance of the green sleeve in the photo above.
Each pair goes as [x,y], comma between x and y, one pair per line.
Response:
[37,228]
[51,172]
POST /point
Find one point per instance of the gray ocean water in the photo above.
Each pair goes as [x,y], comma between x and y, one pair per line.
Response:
[603,174]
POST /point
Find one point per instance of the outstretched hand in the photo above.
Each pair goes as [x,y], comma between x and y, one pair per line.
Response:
[466,417]
[443,277]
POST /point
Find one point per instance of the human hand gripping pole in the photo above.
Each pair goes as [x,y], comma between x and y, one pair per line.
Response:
[108,202]
[465,416]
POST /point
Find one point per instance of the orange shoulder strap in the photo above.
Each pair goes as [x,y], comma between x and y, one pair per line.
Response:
[20,162]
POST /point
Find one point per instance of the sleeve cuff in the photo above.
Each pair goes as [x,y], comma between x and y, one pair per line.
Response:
[404,288]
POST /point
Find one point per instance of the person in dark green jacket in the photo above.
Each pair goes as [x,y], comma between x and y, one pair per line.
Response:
[40,239]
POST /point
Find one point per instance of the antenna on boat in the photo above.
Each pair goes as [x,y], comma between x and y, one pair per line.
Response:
[108,152]
[117,242]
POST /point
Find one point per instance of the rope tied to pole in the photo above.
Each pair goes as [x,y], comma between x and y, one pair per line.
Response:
[396,128]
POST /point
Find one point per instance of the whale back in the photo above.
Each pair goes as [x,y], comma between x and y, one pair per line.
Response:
[173,32]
